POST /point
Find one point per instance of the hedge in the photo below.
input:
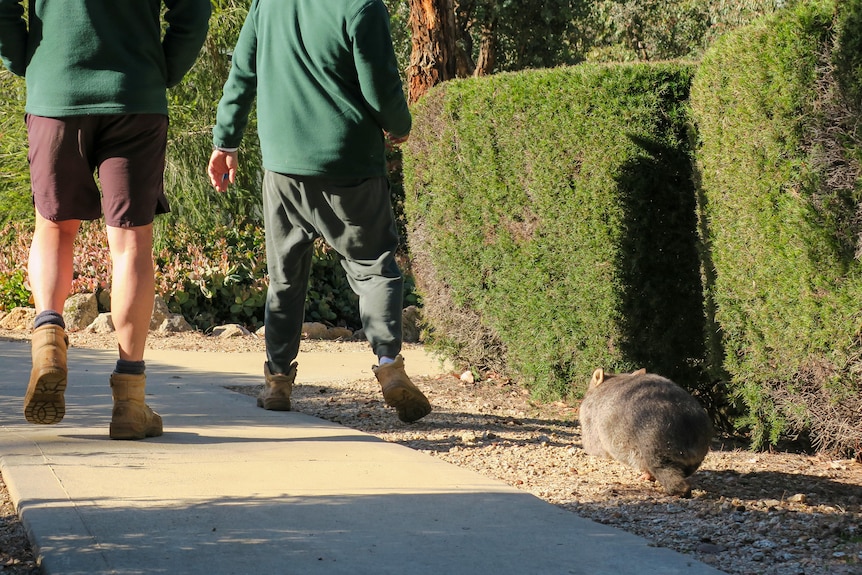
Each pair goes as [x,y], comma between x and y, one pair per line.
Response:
[777,111]
[552,225]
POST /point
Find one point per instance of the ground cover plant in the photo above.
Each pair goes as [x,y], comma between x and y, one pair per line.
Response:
[211,278]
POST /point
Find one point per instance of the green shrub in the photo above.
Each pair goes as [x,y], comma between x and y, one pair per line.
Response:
[14,170]
[211,278]
[552,223]
[13,290]
[848,57]
[192,106]
[91,261]
[779,206]
[220,277]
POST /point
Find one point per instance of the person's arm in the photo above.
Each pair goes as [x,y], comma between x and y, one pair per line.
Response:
[240,88]
[188,23]
[235,105]
[13,36]
[377,68]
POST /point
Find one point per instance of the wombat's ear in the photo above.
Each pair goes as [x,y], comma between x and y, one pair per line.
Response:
[598,378]
[641,371]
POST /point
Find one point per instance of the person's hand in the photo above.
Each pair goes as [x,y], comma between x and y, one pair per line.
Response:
[395,140]
[222,169]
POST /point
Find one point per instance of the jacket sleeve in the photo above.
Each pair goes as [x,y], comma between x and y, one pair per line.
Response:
[188,23]
[377,68]
[13,36]
[240,88]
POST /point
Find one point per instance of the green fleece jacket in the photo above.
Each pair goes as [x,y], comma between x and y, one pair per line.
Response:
[101,56]
[327,87]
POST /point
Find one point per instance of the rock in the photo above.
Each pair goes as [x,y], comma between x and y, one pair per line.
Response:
[338,333]
[160,313]
[469,437]
[19,318]
[314,330]
[80,310]
[710,548]
[261,331]
[230,330]
[174,323]
[317,330]
[410,322]
[102,324]
[103,297]
[468,377]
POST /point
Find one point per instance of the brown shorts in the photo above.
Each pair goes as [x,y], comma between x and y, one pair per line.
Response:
[126,151]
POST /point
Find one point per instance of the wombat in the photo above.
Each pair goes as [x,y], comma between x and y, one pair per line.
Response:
[648,422]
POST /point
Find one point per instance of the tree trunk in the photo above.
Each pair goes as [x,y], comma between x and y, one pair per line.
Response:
[487,53]
[432,57]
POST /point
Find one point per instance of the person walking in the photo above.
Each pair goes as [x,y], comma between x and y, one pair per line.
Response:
[328,92]
[96,74]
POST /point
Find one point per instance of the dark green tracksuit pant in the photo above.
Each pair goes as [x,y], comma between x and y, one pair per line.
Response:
[355,218]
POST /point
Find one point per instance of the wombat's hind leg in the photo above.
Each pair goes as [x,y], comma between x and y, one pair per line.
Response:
[673,481]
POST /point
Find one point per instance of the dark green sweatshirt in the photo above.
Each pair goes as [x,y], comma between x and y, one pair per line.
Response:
[101,56]
[327,87]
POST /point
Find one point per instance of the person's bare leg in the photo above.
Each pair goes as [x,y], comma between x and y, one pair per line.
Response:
[132,295]
[132,288]
[50,265]
[50,274]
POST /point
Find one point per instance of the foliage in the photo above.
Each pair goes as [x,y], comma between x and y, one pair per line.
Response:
[541,33]
[849,51]
[526,34]
[90,259]
[399,24]
[220,277]
[14,170]
[664,29]
[779,210]
[192,106]
[211,278]
[567,255]
[13,290]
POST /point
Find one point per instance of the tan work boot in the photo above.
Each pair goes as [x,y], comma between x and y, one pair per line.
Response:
[131,418]
[400,393]
[44,401]
[276,395]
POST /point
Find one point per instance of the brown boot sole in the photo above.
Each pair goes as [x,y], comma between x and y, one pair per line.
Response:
[44,402]
[274,404]
[410,403]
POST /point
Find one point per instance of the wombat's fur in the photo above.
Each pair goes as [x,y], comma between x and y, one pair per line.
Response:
[648,422]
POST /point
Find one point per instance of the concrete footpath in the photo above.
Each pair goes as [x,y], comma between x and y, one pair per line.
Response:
[233,489]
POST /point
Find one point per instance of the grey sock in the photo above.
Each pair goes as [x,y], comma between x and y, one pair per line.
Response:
[130,367]
[49,316]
